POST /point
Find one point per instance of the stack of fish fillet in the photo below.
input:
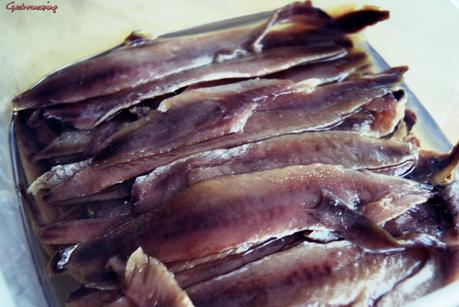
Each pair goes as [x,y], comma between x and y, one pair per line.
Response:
[263,165]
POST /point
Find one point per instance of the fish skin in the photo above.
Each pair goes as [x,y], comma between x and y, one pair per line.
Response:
[92,179]
[92,112]
[336,273]
[72,142]
[327,147]
[140,63]
[191,273]
[426,280]
[202,114]
[327,72]
[137,64]
[295,111]
[333,213]
[77,231]
[286,194]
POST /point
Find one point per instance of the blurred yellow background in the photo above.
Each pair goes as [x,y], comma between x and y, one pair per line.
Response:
[422,34]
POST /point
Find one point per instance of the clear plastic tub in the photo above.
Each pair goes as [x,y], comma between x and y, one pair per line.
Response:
[31,273]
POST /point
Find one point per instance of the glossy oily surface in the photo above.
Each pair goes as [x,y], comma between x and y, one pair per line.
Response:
[370,117]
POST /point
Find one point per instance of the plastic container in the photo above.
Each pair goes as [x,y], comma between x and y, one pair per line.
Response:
[54,291]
